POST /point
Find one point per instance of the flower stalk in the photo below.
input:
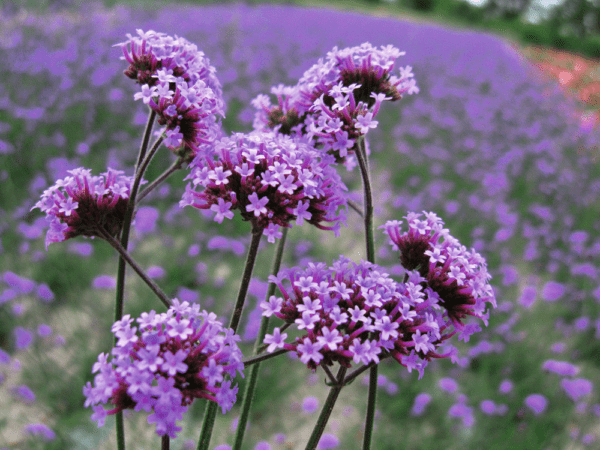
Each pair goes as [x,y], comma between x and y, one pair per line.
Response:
[138,269]
[264,324]
[120,428]
[211,408]
[334,392]
[363,162]
[166,174]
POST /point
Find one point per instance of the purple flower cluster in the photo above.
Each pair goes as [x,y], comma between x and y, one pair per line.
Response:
[272,179]
[85,205]
[336,100]
[179,84]
[457,277]
[176,357]
[353,312]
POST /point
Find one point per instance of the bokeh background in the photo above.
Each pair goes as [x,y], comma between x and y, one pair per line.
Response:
[502,142]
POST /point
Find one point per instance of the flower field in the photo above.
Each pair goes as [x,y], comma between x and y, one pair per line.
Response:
[499,153]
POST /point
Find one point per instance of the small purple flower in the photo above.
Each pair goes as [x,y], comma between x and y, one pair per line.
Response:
[272,180]
[85,205]
[174,358]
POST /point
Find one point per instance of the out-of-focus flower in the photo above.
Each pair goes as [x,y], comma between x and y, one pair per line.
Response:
[40,430]
[179,83]
[161,368]
[83,204]
[560,367]
[336,100]
[457,277]
[536,403]
[421,402]
[273,180]
[576,388]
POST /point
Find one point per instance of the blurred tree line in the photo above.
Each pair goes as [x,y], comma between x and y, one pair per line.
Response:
[572,25]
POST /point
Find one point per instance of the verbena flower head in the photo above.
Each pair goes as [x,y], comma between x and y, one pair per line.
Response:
[336,100]
[271,179]
[83,204]
[458,276]
[162,366]
[179,84]
[356,313]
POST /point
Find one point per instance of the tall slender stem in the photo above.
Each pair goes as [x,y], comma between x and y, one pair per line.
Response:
[211,407]
[361,156]
[165,442]
[120,428]
[146,138]
[135,266]
[334,392]
[363,162]
[253,377]
[250,260]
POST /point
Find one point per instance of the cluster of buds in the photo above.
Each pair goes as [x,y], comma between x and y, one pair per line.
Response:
[176,357]
[458,277]
[336,100]
[85,205]
[179,84]
[272,179]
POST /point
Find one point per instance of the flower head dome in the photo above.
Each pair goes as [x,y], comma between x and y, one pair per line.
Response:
[179,84]
[173,358]
[355,313]
[272,180]
[85,205]
[457,275]
[336,100]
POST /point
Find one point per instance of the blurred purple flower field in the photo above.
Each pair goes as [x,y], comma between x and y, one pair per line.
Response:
[486,145]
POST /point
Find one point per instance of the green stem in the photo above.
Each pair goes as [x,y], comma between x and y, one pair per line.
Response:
[350,378]
[361,156]
[211,407]
[135,266]
[370,419]
[334,392]
[250,260]
[363,162]
[166,174]
[254,360]
[264,325]
[120,428]
[356,208]
[165,442]
[146,138]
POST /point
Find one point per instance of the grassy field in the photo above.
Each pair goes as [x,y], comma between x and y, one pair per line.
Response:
[499,153]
